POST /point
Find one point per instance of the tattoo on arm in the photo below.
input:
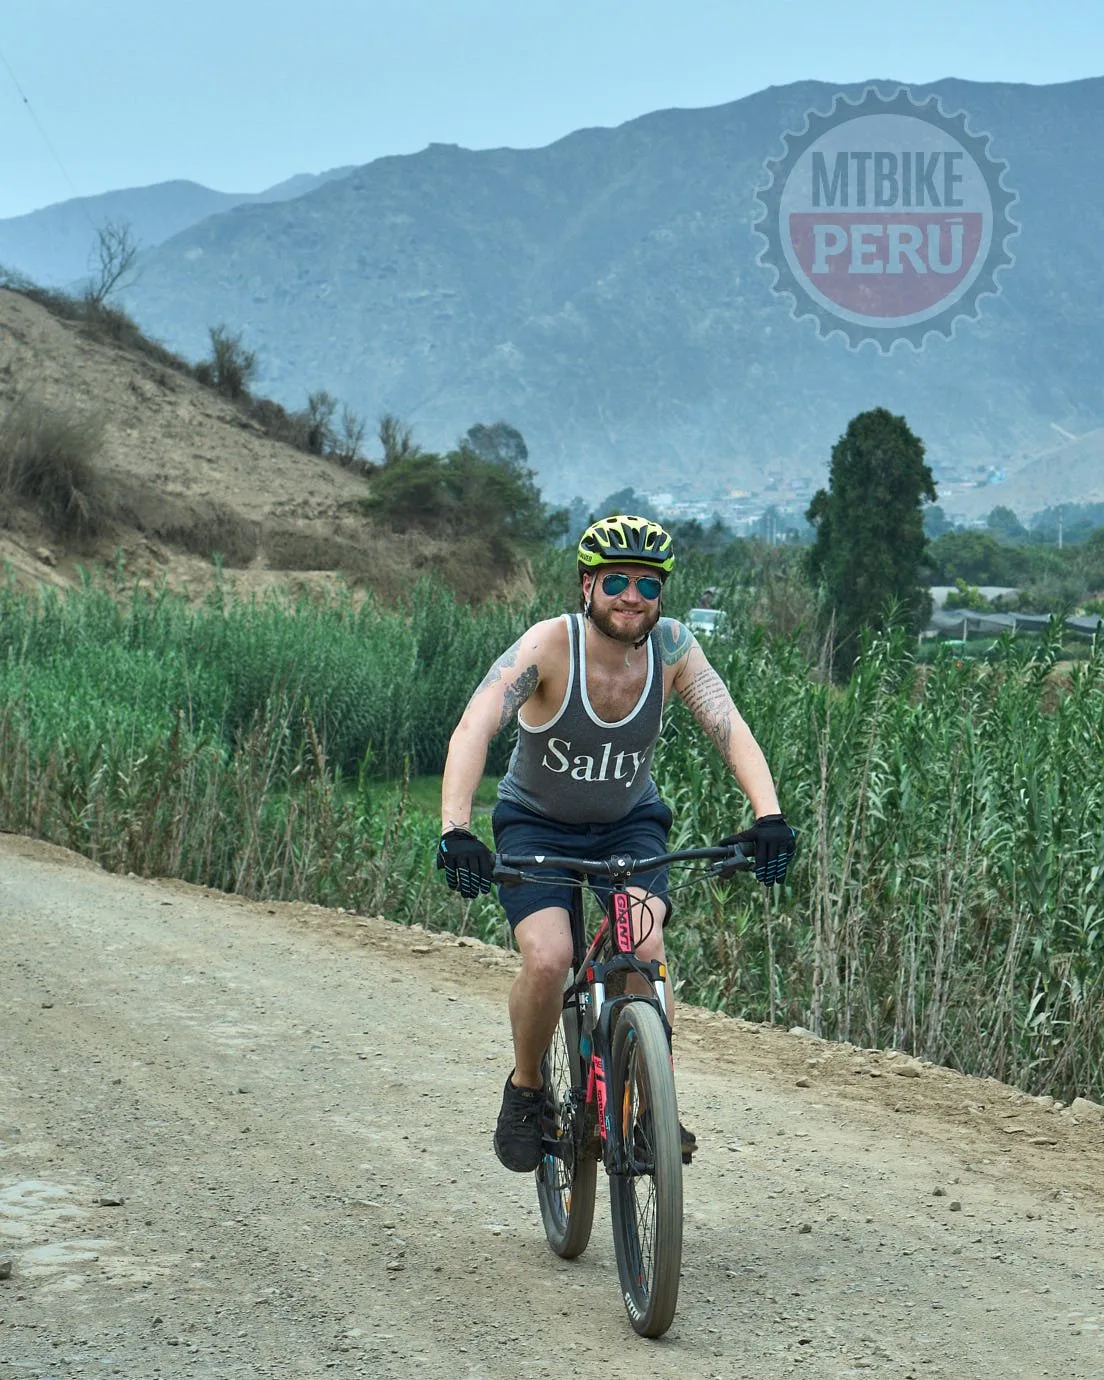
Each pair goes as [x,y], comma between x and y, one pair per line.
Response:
[517,693]
[707,698]
[675,639]
[504,662]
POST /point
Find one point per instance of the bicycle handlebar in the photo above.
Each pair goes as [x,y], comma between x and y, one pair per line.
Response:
[509,867]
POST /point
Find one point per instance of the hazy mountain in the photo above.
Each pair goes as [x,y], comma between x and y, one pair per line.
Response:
[1069,473]
[52,246]
[603,295]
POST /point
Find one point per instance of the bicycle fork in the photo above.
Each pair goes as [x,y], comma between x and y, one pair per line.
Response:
[597,1018]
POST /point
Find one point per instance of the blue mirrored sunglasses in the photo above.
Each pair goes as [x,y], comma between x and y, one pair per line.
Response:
[647,586]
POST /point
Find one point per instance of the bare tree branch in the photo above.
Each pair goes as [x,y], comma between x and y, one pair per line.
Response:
[115,252]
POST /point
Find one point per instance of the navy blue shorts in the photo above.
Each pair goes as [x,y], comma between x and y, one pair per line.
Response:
[642,833]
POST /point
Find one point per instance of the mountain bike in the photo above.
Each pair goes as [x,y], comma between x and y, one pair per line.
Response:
[610,1087]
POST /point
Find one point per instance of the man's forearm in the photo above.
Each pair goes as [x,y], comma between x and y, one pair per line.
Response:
[467,756]
[749,766]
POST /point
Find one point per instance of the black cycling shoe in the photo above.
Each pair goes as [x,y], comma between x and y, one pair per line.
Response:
[519,1134]
[689,1143]
[642,1137]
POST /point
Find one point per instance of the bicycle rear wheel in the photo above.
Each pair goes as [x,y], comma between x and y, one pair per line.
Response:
[568,1173]
[647,1203]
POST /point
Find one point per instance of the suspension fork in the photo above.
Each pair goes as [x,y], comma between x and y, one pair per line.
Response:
[596,1017]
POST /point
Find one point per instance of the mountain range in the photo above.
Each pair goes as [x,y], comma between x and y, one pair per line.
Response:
[52,246]
[603,295]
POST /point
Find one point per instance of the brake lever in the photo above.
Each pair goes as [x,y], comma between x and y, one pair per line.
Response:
[507,876]
[741,861]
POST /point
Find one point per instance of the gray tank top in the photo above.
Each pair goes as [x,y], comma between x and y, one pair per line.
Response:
[578,769]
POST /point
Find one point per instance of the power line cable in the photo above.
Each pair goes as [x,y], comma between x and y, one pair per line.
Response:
[45,137]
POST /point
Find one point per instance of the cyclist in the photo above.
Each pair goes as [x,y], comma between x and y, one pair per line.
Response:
[587,691]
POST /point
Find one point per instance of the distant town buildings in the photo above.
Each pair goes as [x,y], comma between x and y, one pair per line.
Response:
[781,500]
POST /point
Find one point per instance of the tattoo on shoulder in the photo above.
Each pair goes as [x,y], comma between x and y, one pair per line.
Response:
[674,640]
[517,693]
[504,662]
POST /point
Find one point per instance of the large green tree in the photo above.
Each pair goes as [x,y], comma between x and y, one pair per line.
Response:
[500,443]
[869,526]
[492,512]
[979,559]
[1005,525]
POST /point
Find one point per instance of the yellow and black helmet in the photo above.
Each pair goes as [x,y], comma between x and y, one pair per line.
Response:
[625,540]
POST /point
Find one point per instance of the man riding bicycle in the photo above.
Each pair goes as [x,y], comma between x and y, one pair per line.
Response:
[587,691]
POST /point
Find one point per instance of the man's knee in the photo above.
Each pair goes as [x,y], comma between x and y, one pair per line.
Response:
[650,919]
[652,949]
[547,965]
[545,949]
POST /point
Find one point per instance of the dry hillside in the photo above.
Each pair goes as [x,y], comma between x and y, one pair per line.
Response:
[182,473]
[1072,472]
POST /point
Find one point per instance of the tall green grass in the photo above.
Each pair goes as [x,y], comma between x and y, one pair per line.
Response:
[382,683]
[947,894]
[946,897]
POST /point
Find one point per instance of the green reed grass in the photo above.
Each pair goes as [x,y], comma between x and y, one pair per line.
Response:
[947,897]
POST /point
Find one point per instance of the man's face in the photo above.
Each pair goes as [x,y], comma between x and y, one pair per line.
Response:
[628,616]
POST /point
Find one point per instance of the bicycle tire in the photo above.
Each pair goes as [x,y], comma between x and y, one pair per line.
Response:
[566,1181]
[646,1204]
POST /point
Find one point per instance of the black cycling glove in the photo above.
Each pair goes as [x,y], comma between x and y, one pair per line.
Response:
[773,841]
[467,862]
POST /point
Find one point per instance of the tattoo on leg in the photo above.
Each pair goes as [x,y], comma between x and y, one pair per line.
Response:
[517,694]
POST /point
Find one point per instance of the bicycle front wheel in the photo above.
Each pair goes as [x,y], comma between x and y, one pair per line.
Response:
[647,1202]
[568,1171]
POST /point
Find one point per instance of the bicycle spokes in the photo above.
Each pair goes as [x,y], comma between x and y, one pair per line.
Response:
[646,1196]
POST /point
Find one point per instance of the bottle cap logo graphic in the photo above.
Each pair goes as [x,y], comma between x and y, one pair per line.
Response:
[885,219]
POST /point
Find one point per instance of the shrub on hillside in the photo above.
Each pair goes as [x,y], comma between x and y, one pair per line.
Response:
[231,367]
[497,508]
[48,459]
[348,441]
[321,406]
[313,428]
[396,439]
[218,532]
[109,323]
[273,418]
[206,528]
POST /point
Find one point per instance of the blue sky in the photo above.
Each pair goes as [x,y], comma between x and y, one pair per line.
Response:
[240,94]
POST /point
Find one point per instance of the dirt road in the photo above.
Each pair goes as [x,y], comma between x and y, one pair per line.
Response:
[249,1140]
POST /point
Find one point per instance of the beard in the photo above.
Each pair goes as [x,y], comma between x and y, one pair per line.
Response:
[603,620]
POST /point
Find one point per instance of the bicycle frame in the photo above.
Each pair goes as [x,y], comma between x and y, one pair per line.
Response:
[597,1011]
[587,986]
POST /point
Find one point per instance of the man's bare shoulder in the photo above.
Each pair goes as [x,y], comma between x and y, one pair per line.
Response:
[675,641]
[537,649]
[545,643]
[550,630]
